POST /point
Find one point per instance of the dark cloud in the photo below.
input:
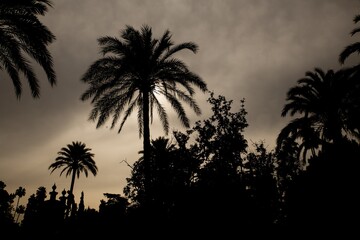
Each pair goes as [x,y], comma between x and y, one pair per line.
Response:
[252,49]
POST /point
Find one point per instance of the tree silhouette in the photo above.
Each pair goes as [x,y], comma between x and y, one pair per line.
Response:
[261,184]
[220,140]
[6,201]
[112,212]
[33,217]
[320,99]
[133,73]
[21,32]
[326,104]
[74,159]
[219,145]
[287,168]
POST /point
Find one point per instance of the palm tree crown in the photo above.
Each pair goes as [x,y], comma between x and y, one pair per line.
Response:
[21,32]
[321,101]
[74,159]
[133,72]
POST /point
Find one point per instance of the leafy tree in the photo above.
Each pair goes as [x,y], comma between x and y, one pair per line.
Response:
[220,141]
[9,226]
[288,162]
[134,71]
[262,184]
[220,145]
[288,167]
[6,201]
[214,159]
[189,163]
[114,209]
[23,35]
[33,217]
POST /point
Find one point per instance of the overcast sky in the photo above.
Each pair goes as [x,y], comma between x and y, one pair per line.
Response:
[252,49]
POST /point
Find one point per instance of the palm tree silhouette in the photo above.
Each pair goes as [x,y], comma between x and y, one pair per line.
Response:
[21,32]
[74,159]
[133,72]
[320,98]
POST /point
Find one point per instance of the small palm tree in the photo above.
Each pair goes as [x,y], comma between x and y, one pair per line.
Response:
[21,32]
[74,159]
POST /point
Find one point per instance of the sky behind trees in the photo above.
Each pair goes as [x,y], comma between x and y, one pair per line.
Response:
[248,49]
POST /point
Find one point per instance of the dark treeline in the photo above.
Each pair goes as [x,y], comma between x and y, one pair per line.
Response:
[204,181]
[213,183]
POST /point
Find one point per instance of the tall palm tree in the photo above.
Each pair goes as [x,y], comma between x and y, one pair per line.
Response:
[320,101]
[352,48]
[22,35]
[133,72]
[74,159]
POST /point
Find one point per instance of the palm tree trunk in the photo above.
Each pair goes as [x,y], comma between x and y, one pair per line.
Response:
[17,205]
[70,200]
[17,218]
[146,142]
[72,181]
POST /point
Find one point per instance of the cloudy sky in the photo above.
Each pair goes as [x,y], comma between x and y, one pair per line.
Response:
[252,49]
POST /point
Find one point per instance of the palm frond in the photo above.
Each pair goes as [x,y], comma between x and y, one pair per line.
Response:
[178,109]
[349,50]
[193,47]
[162,113]
[24,34]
